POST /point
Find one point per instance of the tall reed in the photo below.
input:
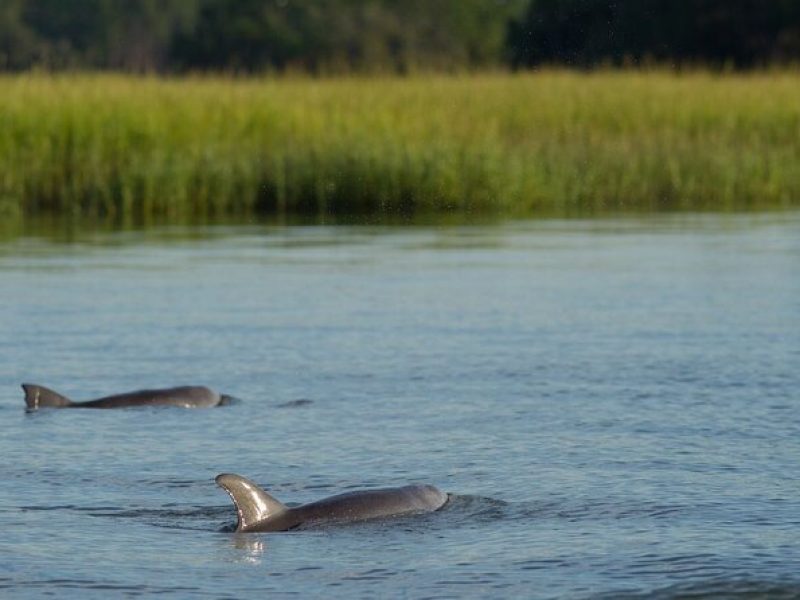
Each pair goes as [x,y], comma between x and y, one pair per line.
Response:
[557,141]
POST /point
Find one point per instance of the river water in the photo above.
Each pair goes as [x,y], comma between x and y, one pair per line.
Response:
[613,405]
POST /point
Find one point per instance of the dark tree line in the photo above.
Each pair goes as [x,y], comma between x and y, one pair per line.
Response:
[391,35]
[737,33]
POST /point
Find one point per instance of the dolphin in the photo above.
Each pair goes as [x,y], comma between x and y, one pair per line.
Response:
[258,511]
[189,396]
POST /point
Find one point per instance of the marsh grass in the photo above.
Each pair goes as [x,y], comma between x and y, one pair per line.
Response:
[552,142]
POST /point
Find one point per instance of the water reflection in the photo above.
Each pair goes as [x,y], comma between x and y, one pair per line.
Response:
[32,235]
[75,229]
[248,548]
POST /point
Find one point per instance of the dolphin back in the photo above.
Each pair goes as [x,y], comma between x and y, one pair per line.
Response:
[187,396]
[38,396]
[374,504]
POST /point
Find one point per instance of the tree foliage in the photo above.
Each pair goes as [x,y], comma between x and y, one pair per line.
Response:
[255,35]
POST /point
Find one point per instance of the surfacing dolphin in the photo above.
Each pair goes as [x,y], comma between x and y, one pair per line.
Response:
[188,396]
[258,511]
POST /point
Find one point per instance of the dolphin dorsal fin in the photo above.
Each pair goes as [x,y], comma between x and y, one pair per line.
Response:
[253,505]
[38,396]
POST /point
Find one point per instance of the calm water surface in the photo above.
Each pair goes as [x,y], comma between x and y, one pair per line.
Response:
[613,405]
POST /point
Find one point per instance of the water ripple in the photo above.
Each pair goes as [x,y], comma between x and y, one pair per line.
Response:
[713,590]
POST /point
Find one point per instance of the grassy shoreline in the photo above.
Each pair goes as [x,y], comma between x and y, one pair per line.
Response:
[553,142]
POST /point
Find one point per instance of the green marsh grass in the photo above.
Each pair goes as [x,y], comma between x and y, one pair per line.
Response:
[140,148]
